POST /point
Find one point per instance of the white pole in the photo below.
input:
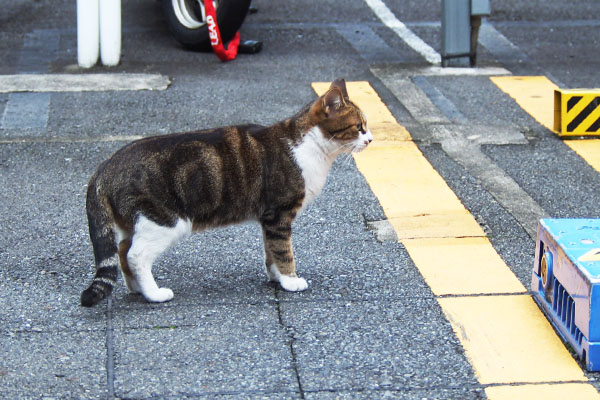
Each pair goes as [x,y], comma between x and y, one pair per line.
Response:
[110,32]
[88,33]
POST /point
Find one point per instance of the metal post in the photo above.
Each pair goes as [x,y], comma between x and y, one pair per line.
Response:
[455,29]
[461,20]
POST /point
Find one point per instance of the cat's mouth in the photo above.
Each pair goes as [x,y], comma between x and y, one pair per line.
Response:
[360,147]
[362,144]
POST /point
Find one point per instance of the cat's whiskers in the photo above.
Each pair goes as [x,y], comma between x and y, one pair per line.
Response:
[347,155]
[347,159]
[342,147]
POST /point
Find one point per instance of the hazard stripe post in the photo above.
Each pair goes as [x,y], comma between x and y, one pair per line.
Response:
[577,112]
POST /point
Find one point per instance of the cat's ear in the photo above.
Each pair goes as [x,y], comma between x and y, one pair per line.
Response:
[332,101]
[341,85]
[329,103]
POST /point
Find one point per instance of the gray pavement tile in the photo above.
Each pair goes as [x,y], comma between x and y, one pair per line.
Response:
[356,269]
[407,394]
[3,101]
[53,365]
[40,304]
[552,47]
[225,349]
[370,345]
[541,170]
[235,396]
[480,100]
[45,258]
[202,317]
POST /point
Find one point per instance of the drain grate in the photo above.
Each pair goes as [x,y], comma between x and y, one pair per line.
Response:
[563,306]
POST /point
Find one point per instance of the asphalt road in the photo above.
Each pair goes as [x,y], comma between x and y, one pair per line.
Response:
[369,326]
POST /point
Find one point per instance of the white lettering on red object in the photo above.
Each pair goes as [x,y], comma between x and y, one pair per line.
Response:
[212,31]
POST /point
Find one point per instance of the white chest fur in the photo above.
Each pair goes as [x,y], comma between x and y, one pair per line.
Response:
[314,155]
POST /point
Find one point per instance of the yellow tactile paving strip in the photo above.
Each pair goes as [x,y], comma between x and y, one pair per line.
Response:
[568,391]
[451,266]
[510,329]
[507,339]
[535,95]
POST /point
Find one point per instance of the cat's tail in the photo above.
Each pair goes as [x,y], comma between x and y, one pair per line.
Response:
[101,226]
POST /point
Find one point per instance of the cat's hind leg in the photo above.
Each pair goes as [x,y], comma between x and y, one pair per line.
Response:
[123,237]
[130,282]
[148,242]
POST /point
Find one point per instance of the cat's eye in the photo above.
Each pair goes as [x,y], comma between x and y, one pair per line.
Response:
[360,128]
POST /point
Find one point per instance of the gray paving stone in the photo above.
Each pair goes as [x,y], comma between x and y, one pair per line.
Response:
[393,345]
[226,349]
[400,394]
[55,365]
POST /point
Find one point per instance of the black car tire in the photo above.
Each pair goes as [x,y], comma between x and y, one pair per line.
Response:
[184,18]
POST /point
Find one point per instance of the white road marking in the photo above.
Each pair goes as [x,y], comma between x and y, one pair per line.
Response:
[440,71]
[81,82]
[415,42]
[71,139]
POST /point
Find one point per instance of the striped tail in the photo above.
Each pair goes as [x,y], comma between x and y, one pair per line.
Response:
[101,222]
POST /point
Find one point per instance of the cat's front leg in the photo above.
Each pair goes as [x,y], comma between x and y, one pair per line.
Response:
[279,257]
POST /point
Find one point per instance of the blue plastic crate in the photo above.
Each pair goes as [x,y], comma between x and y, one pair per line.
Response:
[566,282]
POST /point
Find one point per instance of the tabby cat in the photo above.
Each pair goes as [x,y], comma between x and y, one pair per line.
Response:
[158,190]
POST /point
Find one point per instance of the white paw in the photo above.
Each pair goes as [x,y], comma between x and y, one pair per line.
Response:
[159,295]
[293,284]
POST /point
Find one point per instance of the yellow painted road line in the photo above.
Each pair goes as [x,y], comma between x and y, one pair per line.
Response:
[459,266]
[588,149]
[412,194]
[535,95]
[561,391]
[508,340]
[506,337]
